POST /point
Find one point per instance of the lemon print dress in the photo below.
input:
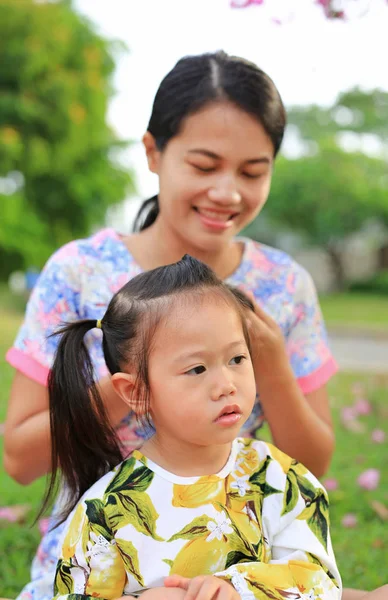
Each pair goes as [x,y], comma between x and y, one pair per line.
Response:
[261,523]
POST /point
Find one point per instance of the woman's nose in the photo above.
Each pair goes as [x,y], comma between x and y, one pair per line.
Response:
[225,193]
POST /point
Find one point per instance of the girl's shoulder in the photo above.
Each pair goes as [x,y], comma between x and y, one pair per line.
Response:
[260,454]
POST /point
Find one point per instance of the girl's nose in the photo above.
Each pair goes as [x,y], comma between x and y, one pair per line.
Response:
[223,388]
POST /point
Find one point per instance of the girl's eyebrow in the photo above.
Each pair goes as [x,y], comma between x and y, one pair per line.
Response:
[201,352]
[213,155]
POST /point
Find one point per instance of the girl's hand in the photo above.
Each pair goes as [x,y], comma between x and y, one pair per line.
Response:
[159,593]
[204,587]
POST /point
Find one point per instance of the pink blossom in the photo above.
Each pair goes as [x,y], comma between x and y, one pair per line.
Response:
[349,520]
[2,428]
[362,407]
[358,389]
[378,436]
[14,514]
[244,3]
[331,484]
[347,414]
[369,479]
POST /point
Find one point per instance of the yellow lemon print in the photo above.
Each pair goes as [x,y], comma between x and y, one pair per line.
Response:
[284,460]
[248,528]
[200,557]
[74,533]
[107,574]
[200,493]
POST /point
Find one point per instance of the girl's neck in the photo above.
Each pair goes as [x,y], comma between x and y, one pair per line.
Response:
[186,460]
[154,247]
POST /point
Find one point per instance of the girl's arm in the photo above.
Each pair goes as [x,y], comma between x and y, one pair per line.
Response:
[300,424]
[27,453]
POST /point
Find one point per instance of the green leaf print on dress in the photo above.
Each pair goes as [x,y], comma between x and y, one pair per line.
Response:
[126,501]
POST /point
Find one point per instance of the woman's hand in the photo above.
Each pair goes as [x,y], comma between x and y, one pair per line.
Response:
[269,355]
[204,587]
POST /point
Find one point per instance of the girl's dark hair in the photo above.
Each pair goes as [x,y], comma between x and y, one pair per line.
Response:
[84,445]
[196,81]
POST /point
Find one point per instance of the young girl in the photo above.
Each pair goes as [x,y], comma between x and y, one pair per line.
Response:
[215,514]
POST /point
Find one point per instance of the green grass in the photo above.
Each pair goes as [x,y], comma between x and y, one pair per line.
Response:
[362,552]
[356,309]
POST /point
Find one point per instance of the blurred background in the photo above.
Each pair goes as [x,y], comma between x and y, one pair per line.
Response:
[77,81]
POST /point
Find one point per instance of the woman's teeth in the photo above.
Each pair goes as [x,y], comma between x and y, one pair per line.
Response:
[217,216]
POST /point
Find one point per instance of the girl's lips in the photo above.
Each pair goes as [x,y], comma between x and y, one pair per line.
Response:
[228,420]
[215,220]
[230,415]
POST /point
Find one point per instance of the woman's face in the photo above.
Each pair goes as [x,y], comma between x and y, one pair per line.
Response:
[214,176]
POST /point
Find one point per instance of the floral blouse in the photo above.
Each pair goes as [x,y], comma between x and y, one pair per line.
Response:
[80,279]
[261,523]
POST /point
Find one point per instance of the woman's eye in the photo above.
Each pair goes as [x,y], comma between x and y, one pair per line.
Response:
[196,370]
[237,360]
[253,175]
[203,169]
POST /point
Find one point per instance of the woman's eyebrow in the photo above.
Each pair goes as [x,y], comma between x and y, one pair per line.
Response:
[213,155]
[205,152]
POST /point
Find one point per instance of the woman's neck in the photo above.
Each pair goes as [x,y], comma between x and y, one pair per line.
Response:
[153,247]
[186,460]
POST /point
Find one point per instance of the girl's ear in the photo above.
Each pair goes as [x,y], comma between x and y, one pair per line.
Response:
[152,152]
[124,385]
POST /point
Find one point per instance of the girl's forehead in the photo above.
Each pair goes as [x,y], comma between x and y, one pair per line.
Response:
[186,313]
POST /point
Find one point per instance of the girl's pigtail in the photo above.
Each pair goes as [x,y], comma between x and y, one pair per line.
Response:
[83,443]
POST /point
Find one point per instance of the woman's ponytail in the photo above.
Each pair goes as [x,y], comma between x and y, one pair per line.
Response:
[147,214]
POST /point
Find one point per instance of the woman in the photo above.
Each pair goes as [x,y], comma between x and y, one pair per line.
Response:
[215,129]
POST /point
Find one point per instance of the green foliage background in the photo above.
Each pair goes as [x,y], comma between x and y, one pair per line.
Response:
[58,156]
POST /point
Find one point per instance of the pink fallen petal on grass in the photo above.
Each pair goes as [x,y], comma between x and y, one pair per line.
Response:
[347,414]
[358,389]
[349,520]
[14,514]
[349,420]
[362,406]
[331,484]
[378,436]
[369,479]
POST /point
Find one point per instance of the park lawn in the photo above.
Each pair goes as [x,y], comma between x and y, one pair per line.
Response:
[364,311]
[362,552]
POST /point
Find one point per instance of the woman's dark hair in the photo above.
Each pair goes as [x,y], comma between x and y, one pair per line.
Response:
[196,81]
[83,443]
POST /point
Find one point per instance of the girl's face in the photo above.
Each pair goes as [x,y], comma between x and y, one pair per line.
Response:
[200,373]
[214,176]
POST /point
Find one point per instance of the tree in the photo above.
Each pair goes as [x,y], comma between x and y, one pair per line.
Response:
[59,169]
[326,197]
[355,110]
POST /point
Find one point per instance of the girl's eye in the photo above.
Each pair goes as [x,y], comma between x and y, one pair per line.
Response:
[196,370]
[237,360]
